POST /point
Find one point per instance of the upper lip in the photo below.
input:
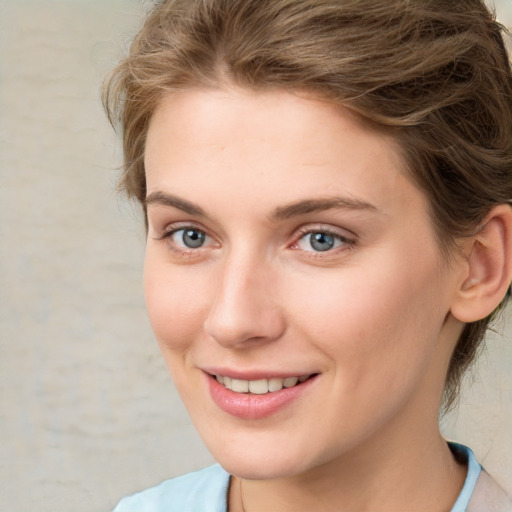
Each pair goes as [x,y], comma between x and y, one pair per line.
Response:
[254,374]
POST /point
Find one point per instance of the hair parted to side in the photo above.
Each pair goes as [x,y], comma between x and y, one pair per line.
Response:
[434,72]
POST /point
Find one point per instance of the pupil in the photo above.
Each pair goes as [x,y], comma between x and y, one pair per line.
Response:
[193,238]
[322,241]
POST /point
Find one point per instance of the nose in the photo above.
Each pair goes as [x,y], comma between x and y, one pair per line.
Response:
[244,308]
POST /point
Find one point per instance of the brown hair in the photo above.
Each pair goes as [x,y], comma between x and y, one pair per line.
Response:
[436,73]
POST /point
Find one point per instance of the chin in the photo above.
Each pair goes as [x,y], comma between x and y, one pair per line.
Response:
[260,458]
[267,467]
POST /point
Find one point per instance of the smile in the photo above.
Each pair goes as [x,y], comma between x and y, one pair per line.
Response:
[257,398]
[260,386]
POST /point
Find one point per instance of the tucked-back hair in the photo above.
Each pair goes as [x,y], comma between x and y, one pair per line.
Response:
[435,73]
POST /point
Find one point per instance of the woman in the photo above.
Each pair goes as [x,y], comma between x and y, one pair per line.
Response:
[326,186]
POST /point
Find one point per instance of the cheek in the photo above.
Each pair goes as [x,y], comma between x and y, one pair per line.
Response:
[175,303]
[376,323]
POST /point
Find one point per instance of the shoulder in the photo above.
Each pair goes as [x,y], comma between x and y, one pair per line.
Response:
[488,496]
[200,491]
[480,492]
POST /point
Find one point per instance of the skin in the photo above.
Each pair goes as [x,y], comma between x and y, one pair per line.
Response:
[372,316]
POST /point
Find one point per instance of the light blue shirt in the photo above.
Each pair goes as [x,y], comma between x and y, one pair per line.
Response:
[206,490]
[474,470]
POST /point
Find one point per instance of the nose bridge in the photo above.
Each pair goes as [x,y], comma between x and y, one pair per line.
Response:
[243,308]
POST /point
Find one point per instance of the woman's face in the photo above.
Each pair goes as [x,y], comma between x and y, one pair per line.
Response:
[285,241]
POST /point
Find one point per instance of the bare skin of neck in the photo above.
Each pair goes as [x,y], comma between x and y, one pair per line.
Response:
[405,466]
[422,476]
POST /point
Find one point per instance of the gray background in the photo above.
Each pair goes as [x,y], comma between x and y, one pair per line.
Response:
[87,411]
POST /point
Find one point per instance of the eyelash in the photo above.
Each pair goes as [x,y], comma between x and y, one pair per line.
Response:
[346,244]
[166,238]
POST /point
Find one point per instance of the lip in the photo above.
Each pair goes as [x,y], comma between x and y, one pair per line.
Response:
[252,374]
[252,407]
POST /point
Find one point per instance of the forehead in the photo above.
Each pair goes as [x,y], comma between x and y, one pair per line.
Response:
[270,147]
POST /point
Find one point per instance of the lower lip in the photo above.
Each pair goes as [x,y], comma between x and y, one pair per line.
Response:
[251,407]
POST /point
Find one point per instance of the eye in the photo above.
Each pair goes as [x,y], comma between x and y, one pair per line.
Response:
[320,241]
[189,238]
[187,242]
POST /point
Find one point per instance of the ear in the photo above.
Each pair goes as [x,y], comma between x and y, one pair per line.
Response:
[488,270]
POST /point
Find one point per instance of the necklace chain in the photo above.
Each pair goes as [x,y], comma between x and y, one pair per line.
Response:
[241,495]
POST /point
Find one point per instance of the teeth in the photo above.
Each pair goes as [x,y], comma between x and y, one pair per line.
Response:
[260,386]
[275,384]
[240,386]
[289,382]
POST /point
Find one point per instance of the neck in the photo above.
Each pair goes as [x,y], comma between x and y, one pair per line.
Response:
[406,465]
[405,473]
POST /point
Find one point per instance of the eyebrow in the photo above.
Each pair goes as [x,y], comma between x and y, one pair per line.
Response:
[295,209]
[316,205]
[164,199]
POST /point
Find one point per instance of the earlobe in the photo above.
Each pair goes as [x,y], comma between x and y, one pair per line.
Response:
[488,270]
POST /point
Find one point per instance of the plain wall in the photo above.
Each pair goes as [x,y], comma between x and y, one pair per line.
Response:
[87,410]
